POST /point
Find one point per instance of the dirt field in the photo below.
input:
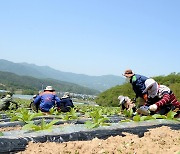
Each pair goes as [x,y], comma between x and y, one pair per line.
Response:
[161,140]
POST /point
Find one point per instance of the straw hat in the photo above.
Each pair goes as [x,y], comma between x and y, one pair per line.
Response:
[49,88]
[128,73]
[66,95]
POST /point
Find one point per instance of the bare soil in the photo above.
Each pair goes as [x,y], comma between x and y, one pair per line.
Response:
[155,141]
[3,129]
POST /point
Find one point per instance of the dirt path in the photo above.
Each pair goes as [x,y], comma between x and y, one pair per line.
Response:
[155,141]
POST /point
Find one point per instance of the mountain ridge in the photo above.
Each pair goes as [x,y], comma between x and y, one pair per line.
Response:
[30,85]
[100,83]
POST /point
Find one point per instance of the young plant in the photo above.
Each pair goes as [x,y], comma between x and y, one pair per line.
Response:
[142,118]
[1,134]
[24,115]
[128,113]
[171,115]
[70,115]
[54,111]
[43,126]
[126,120]
[97,119]
[158,116]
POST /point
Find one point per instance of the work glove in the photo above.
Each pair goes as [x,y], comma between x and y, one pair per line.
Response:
[144,110]
[153,107]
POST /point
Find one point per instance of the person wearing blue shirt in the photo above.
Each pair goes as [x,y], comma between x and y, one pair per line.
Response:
[47,99]
[138,83]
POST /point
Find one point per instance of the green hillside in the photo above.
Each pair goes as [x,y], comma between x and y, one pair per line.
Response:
[109,97]
[100,83]
[31,85]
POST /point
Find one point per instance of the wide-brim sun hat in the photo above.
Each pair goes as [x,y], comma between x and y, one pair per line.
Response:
[66,95]
[128,73]
[49,88]
[121,99]
[149,83]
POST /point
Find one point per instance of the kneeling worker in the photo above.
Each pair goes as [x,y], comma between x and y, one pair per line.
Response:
[47,99]
[66,102]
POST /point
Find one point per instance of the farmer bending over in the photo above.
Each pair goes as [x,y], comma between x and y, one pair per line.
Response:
[47,99]
[126,103]
[160,98]
[66,102]
[137,81]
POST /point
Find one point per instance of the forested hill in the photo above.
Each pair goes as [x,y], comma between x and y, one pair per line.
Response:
[100,83]
[109,97]
[31,85]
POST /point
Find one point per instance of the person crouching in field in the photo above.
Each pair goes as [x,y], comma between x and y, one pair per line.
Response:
[126,103]
[138,84]
[66,102]
[160,98]
[47,99]
[6,101]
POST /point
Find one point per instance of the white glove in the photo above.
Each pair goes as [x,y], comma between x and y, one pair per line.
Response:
[153,107]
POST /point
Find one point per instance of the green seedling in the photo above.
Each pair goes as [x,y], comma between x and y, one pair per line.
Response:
[126,120]
[70,115]
[158,116]
[1,134]
[128,113]
[97,119]
[171,115]
[54,111]
[142,118]
[43,126]
[24,115]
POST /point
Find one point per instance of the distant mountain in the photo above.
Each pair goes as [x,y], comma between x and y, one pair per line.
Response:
[100,83]
[29,85]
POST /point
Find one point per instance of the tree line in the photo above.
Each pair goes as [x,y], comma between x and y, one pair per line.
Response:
[109,97]
[30,85]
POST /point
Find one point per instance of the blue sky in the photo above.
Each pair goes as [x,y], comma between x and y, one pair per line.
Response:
[93,37]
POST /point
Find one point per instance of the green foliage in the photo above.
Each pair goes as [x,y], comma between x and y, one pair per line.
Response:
[110,110]
[109,97]
[23,103]
[126,120]
[172,81]
[30,85]
[43,126]
[97,119]
[70,115]
[24,115]
[170,116]
[142,118]
[158,116]
[54,111]
[128,113]
[1,134]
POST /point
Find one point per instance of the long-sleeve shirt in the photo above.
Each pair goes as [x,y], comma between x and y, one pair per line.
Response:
[138,84]
[47,100]
[66,102]
[165,96]
[168,99]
